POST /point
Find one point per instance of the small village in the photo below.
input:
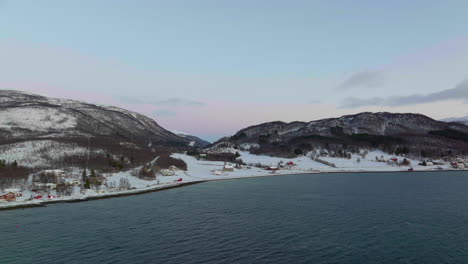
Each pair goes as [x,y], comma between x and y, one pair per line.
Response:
[58,184]
[49,185]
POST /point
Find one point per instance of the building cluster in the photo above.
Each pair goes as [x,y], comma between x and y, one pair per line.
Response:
[11,194]
[459,163]
[171,171]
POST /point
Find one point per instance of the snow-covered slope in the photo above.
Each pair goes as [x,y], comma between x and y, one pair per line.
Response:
[26,119]
[23,115]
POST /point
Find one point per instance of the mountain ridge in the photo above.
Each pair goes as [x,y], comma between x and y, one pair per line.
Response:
[383,130]
[29,121]
[462,120]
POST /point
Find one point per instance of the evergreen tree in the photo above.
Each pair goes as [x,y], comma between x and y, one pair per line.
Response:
[93,173]
[87,184]
[14,164]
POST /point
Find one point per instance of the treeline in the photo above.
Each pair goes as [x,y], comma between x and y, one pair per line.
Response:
[450,133]
[425,145]
[12,174]
[4,164]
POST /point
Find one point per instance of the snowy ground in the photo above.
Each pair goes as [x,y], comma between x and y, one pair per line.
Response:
[41,153]
[202,170]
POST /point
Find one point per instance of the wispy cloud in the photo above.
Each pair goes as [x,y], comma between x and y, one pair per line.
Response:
[459,92]
[363,79]
[166,102]
[178,102]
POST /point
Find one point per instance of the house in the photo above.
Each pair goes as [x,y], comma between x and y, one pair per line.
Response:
[290,163]
[46,185]
[272,168]
[167,172]
[218,172]
[394,159]
[228,167]
[173,168]
[51,196]
[56,173]
[51,185]
[392,162]
[16,191]
[74,182]
[39,196]
[457,165]
[10,196]
[202,155]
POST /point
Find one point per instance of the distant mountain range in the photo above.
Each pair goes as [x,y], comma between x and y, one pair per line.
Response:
[196,140]
[402,133]
[41,132]
[461,120]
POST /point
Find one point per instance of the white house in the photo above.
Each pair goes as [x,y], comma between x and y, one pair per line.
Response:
[47,185]
[167,172]
[73,182]
[228,167]
[57,173]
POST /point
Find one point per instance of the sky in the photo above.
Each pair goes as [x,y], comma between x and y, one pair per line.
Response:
[212,67]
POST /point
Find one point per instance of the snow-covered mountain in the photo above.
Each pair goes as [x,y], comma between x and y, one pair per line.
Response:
[58,128]
[25,115]
[380,130]
[461,120]
[194,139]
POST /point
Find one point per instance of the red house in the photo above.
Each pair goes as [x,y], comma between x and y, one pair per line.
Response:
[38,196]
[8,196]
[16,191]
[179,180]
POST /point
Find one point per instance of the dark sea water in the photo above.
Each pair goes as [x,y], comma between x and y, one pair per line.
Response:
[329,218]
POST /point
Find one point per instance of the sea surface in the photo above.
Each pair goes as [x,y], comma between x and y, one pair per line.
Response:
[323,218]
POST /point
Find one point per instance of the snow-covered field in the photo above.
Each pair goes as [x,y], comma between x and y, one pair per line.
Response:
[202,170]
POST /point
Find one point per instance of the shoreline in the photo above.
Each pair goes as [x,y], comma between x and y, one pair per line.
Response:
[179,185]
[99,197]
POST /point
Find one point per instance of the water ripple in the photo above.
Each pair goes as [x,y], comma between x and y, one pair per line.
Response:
[340,218]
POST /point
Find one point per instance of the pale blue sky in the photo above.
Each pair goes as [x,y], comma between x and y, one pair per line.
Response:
[268,52]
